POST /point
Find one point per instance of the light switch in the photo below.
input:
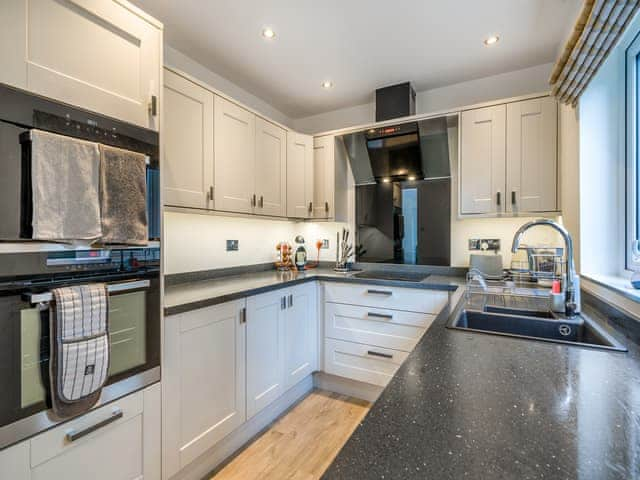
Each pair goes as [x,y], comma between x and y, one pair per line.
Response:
[232,245]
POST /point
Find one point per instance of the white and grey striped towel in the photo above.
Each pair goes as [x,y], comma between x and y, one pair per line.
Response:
[80,345]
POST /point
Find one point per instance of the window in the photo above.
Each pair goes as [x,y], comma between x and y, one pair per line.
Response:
[632,149]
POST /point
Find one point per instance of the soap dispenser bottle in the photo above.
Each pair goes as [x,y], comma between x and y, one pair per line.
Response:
[301,253]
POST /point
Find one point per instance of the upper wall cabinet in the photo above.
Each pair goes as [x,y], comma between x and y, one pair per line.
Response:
[508,158]
[532,170]
[188,143]
[234,146]
[270,172]
[299,175]
[482,160]
[107,58]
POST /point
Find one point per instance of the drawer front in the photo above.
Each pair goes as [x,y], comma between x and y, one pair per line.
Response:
[55,442]
[365,363]
[406,299]
[375,326]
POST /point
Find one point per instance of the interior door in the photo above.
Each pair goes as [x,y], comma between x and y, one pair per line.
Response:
[482,160]
[265,349]
[188,143]
[203,381]
[234,152]
[532,155]
[271,169]
[301,334]
[323,172]
[299,175]
[105,58]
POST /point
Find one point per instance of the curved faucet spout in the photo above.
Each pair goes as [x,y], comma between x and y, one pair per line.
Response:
[570,303]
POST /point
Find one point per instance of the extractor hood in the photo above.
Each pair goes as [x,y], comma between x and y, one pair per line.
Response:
[407,151]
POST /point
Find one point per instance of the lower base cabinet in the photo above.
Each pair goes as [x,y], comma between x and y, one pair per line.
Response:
[226,363]
[203,381]
[125,449]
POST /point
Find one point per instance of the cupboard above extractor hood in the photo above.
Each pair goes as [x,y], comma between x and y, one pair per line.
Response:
[407,151]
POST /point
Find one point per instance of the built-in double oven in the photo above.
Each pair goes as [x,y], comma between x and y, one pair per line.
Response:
[29,270]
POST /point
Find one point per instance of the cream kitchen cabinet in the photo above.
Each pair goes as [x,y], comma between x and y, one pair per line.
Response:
[532,169]
[234,153]
[270,172]
[508,158]
[107,58]
[188,143]
[323,176]
[482,160]
[265,349]
[123,442]
[300,177]
[203,381]
[300,334]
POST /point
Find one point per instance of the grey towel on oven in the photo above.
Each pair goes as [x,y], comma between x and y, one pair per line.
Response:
[79,359]
[65,179]
[123,196]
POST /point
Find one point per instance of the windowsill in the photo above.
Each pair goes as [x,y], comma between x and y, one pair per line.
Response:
[615,290]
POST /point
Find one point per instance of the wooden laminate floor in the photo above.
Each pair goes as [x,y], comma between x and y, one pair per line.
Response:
[301,444]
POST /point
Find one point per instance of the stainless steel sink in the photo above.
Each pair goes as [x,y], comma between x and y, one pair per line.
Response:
[536,325]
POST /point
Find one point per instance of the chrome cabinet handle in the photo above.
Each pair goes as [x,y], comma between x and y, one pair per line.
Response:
[261,202]
[310,207]
[378,354]
[380,292]
[153,106]
[210,193]
[513,197]
[253,200]
[379,315]
[283,303]
[243,315]
[498,199]
[73,435]
[290,300]
[326,207]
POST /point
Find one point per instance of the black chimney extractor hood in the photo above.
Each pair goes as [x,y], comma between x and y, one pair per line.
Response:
[395,101]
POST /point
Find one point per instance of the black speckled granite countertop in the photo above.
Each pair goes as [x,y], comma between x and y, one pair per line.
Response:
[186,296]
[479,406]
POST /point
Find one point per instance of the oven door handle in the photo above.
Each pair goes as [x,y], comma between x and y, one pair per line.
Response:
[45,297]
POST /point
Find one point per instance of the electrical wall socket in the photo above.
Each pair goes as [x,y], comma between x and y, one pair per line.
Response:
[492,244]
[232,245]
[325,243]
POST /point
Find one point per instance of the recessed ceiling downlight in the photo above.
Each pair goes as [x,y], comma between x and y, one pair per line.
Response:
[268,33]
[492,40]
[327,84]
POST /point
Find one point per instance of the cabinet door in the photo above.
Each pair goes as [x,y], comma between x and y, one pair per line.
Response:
[188,143]
[270,169]
[482,160]
[106,58]
[13,27]
[203,381]
[299,175]
[323,176]
[14,462]
[265,349]
[234,147]
[300,334]
[532,169]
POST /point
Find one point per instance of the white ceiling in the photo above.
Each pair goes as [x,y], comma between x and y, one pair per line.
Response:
[360,45]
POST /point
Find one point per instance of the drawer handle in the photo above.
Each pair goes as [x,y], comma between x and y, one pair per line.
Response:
[380,292]
[378,354]
[379,315]
[72,435]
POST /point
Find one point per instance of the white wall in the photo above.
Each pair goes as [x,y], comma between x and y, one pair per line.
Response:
[194,242]
[179,61]
[511,84]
